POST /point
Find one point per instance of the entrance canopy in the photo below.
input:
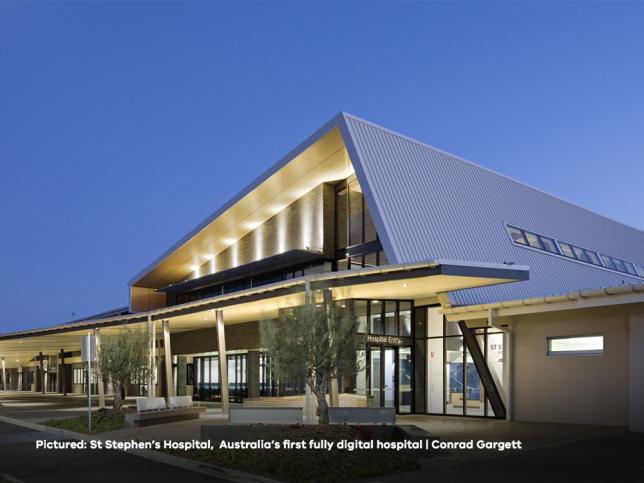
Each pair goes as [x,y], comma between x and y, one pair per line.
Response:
[419,281]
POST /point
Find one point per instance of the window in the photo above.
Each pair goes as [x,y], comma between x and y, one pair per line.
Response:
[79,376]
[580,254]
[593,257]
[630,268]
[576,346]
[566,250]
[391,324]
[341,219]
[608,262]
[356,211]
[375,317]
[557,247]
[517,235]
[549,245]
[405,319]
[533,240]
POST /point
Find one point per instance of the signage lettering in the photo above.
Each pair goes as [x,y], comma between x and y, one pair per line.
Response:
[384,340]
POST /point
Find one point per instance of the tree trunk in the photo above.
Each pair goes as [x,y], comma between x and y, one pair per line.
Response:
[320,391]
[117,396]
[323,410]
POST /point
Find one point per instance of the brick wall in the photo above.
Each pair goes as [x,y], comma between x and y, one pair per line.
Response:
[238,336]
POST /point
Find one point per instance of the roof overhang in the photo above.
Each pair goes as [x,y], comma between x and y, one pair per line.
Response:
[320,158]
[404,281]
[581,299]
[259,267]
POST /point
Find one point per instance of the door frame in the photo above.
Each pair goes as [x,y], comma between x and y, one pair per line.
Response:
[396,392]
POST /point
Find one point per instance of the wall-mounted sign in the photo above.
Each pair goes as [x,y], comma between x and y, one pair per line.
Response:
[385,340]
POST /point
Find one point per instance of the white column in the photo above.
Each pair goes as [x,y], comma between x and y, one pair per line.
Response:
[19,378]
[151,377]
[4,376]
[99,378]
[168,359]
[308,400]
[223,360]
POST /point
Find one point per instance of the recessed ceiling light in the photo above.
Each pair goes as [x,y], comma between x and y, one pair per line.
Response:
[405,285]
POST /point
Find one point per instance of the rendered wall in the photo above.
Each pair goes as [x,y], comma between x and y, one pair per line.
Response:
[636,417]
[572,389]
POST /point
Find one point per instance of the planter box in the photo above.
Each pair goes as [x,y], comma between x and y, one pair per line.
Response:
[362,415]
[265,415]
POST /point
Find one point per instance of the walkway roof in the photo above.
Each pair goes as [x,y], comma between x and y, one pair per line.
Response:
[403,281]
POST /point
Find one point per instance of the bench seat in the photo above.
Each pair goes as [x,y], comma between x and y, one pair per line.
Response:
[162,416]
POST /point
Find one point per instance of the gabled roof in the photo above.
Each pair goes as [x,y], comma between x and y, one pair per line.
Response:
[426,204]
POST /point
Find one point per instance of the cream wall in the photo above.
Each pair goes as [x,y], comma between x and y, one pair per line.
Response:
[637,368]
[572,389]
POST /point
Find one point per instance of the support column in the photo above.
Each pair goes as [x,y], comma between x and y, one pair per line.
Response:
[153,369]
[19,378]
[182,363]
[334,397]
[42,373]
[252,365]
[100,386]
[223,360]
[168,359]
[4,376]
[62,377]
[308,401]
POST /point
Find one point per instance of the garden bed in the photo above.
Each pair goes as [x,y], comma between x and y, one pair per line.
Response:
[103,420]
[302,465]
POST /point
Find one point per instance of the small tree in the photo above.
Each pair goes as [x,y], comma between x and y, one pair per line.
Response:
[122,357]
[313,344]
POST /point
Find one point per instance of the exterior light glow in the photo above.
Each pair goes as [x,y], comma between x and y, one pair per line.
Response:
[251,225]
[234,255]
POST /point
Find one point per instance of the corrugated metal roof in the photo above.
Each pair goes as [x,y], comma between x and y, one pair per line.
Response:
[429,204]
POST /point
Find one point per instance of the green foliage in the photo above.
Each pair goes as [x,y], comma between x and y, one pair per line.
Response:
[122,357]
[311,465]
[313,343]
[102,420]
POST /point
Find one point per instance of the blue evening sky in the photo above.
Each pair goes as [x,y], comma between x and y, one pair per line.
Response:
[123,125]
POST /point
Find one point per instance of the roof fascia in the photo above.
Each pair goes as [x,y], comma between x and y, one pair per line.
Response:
[357,157]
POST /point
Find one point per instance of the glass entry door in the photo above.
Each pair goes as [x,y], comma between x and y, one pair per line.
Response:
[389,367]
[389,379]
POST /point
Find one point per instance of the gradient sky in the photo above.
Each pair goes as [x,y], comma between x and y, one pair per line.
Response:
[123,125]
